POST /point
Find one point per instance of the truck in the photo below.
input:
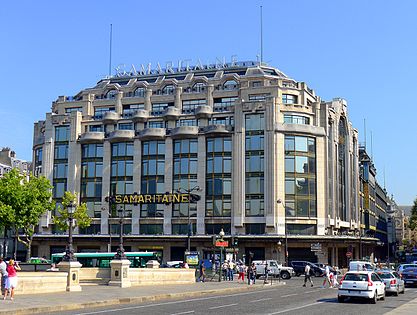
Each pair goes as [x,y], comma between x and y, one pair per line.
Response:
[274,269]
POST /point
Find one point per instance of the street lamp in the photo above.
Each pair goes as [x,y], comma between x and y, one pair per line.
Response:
[189,191]
[221,235]
[279,250]
[120,253]
[69,252]
[279,201]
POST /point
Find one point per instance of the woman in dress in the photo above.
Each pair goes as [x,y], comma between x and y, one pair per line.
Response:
[11,282]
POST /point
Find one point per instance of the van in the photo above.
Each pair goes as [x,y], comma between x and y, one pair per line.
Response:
[361,266]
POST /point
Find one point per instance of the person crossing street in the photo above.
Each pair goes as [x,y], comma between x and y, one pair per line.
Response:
[307,274]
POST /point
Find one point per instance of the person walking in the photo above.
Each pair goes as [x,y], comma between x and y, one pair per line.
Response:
[202,272]
[3,273]
[327,277]
[225,267]
[241,270]
[11,282]
[307,274]
[231,270]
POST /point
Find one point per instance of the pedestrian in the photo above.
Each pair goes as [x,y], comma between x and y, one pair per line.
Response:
[225,267]
[231,270]
[327,277]
[241,269]
[202,272]
[3,273]
[265,272]
[307,274]
[11,282]
[251,274]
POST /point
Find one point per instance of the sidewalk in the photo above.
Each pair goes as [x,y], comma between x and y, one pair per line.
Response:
[96,296]
[409,308]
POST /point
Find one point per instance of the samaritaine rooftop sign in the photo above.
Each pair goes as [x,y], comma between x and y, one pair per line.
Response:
[180,66]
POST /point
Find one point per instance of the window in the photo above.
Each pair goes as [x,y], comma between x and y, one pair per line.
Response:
[151,229]
[300,176]
[254,165]
[214,229]
[257,84]
[224,104]
[227,121]
[289,99]
[129,110]
[73,109]
[188,107]
[139,92]
[186,122]
[199,87]
[95,128]
[61,151]
[156,124]
[182,229]
[62,133]
[111,94]
[125,126]
[258,97]
[159,108]
[100,111]
[168,90]
[302,229]
[230,85]
[255,228]
[295,119]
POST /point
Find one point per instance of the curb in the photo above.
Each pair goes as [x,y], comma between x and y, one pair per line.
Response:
[127,300]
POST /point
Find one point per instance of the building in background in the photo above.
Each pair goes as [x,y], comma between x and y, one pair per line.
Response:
[273,161]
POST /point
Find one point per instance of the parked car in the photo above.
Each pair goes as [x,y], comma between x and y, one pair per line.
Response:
[393,282]
[404,266]
[274,269]
[361,266]
[409,275]
[299,266]
[361,284]
[173,264]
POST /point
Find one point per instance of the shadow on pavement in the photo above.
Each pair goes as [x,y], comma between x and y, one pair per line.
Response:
[332,300]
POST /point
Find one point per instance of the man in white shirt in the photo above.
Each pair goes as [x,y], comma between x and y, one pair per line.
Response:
[3,273]
[327,277]
[307,275]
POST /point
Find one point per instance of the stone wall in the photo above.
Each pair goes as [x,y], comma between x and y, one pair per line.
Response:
[161,276]
[94,276]
[41,282]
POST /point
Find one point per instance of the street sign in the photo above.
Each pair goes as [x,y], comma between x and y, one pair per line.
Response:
[222,243]
[315,247]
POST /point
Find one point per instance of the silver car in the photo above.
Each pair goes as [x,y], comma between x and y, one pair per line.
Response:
[393,282]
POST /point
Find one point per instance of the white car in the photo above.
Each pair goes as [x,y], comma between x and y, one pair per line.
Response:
[361,284]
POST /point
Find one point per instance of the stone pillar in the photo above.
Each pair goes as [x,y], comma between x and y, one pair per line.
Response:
[148,103]
[178,92]
[137,162]
[201,181]
[120,273]
[73,277]
[105,189]
[169,165]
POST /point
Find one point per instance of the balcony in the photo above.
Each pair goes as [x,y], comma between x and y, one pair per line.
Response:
[91,137]
[184,131]
[121,135]
[217,129]
[171,113]
[151,133]
[203,111]
[141,115]
[110,117]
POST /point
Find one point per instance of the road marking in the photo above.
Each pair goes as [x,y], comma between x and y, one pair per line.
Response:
[295,308]
[260,300]
[289,295]
[310,291]
[189,312]
[173,302]
[221,306]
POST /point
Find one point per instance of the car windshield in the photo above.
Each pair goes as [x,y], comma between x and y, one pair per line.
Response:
[412,269]
[356,277]
[385,275]
[273,264]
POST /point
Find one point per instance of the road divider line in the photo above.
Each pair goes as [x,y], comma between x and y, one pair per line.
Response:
[221,306]
[189,312]
[260,300]
[295,308]
[289,295]
[310,291]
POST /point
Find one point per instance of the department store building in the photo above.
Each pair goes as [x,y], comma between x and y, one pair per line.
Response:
[272,160]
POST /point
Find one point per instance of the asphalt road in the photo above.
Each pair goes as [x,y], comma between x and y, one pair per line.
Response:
[289,299]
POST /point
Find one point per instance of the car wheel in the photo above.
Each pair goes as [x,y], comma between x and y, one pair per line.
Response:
[374,298]
[285,275]
[340,299]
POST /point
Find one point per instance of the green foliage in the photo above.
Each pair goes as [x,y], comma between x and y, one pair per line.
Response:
[413,218]
[80,215]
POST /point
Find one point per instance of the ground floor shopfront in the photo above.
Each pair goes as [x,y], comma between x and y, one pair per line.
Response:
[335,250]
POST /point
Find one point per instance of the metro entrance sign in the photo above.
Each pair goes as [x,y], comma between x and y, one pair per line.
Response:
[222,243]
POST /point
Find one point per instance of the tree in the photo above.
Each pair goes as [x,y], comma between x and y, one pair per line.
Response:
[22,203]
[412,223]
[80,216]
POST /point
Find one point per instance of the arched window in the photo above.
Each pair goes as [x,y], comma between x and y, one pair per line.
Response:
[139,92]
[230,85]
[168,90]
[111,94]
[199,87]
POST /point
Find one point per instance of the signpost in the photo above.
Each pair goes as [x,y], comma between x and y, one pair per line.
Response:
[315,247]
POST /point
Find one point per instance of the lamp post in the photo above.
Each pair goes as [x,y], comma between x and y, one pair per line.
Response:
[69,252]
[279,250]
[279,201]
[189,226]
[221,235]
[120,253]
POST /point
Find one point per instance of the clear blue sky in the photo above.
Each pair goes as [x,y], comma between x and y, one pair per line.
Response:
[363,51]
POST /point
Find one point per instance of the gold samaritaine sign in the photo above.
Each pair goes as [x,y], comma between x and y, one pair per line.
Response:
[151,198]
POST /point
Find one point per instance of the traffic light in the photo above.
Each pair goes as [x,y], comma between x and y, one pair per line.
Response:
[235,242]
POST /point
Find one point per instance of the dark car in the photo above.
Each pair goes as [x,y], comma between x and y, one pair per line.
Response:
[409,275]
[299,266]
